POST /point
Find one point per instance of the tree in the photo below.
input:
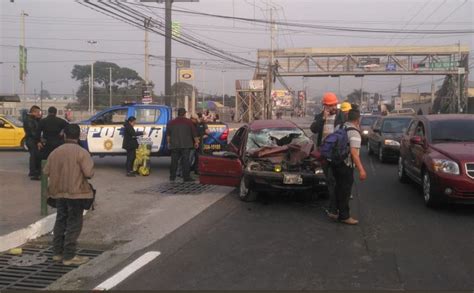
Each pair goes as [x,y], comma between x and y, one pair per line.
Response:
[45,94]
[181,90]
[126,83]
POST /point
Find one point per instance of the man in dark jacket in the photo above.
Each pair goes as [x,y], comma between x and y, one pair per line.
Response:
[30,126]
[182,137]
[130,143]
[328,120]
[50,133]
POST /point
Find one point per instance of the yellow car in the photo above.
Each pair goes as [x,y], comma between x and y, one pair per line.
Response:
[12,134]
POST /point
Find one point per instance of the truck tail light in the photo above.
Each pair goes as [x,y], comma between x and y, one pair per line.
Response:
[224,134]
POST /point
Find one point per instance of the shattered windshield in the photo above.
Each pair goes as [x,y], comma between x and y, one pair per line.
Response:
[269,137]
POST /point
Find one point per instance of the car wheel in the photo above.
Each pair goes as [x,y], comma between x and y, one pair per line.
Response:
[402,175]
[381,157]
[23,145]
[431,199]
[245,192]
[369,148]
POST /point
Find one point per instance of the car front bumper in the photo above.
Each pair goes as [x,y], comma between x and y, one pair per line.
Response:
[454,188]
[263,180]
[391,152]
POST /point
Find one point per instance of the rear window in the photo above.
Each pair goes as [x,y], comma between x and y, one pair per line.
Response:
[368,120]
[452,130]
[395,125]
[147,115]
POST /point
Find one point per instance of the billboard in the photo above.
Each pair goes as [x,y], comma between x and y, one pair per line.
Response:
[23,61]
[282,99]
[186,75]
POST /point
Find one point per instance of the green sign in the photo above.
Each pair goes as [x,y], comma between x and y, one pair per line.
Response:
[176,29]
[444,64]
[23,60]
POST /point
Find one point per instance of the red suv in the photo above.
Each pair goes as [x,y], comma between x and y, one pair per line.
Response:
[437,152]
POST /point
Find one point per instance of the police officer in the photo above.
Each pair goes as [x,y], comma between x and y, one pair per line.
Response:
[50,133]
[31,127]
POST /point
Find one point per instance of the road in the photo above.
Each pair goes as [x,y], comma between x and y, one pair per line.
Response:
[284,243]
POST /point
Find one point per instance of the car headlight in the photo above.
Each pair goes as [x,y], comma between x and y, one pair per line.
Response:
[391,142]
[446,166]
[277,168]
[318,171]
[253,166]
[365,132]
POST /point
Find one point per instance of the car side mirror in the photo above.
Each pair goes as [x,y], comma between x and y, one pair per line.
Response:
[6,125]
[417,140]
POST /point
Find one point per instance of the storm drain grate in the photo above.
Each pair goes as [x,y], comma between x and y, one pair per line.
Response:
[178,188]
[37,276]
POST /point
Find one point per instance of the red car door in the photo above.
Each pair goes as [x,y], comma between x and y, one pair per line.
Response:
[224,168]
[220,170]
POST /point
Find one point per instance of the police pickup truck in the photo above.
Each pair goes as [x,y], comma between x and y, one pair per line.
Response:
[102,134]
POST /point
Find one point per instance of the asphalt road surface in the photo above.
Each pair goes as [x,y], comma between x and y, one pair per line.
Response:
[280,242]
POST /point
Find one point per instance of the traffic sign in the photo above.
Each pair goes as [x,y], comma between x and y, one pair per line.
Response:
[391,67]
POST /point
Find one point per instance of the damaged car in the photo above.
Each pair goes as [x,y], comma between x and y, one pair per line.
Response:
[266,155]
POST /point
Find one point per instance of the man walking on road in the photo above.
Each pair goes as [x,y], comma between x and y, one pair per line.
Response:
[344,173]
[130,144]
[68,168]
[31,127]
[182,137]
[50,133]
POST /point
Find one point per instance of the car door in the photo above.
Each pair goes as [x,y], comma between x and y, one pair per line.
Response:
[224,168]
[405,146]
[7,133]
[105,135]
[375,134]
[418,151]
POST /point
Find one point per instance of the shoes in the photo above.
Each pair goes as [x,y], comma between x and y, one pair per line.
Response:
[58,257]
[351,197]
[76,261]
[35,178]
[172,179]
[332,216]
[350,221]
[131,174]
[189,179]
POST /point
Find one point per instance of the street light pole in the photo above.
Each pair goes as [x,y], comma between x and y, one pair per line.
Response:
[13,79]
[223,88]
[91,83]
[110,86]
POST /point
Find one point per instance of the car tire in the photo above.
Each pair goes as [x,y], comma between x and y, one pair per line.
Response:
[369,148]
[380,153]
[245,191]
[431,199]
[23,145]
[402,175]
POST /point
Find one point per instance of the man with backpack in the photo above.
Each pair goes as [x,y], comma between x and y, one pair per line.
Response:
[328,120]
[341,152]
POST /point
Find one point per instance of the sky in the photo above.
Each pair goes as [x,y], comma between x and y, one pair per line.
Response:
[57,32]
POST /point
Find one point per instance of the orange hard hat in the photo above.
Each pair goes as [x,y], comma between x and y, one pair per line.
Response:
[330,98]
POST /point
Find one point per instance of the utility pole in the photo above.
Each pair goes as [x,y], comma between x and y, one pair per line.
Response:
[147,57]
[269,109]
[91,83]
[110,86]
[41,96]
[168,52]
[23,14]
[223,87]
[13,79]
[460,70]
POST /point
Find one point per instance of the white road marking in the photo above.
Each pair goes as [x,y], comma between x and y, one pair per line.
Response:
[127,271]
[372,166]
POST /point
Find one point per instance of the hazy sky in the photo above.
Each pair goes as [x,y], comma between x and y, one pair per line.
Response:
[66,25]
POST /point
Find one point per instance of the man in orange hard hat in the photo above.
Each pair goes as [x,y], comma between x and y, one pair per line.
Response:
[329,119]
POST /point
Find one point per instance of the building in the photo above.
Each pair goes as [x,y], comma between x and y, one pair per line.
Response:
[9,104]
[470,97]
[12,105]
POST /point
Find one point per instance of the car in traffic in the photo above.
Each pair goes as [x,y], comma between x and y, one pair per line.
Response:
[12,134]
[366,122]
[102,134]
[385,136]
[437,152]
[266,155]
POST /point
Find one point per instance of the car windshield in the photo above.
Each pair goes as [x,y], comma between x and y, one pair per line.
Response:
[395,125]
[368,120]
[452,130]
[14,121]
[275,137]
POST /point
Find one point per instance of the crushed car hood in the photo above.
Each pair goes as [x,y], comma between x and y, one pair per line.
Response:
[276,154]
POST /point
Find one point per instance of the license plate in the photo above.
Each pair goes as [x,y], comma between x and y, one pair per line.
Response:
[292,179]
[213,147]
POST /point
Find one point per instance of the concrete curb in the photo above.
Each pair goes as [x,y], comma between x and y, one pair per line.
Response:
[20,237]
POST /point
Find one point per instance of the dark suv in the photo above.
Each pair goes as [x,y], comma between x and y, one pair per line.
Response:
[385,135]
[437,152]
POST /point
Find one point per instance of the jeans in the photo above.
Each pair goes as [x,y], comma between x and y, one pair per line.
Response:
[68,227]
[344,176]
[35,158]
[331,183]
[131,154]
[178,155]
